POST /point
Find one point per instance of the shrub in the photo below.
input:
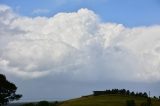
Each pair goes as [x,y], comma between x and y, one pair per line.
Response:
[43,103]
[144,104]
[29,104]
[130,103]
[54,103]
[149,101]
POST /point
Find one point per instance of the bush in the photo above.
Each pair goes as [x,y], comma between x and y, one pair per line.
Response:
[144,104]
[29,104]
[130,103]
[43,103]
[54,103]
[149,101]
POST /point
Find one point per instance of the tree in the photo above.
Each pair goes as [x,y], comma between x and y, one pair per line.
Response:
[7,91]
[132,93]
[128,92]
[145,94]
[155,97]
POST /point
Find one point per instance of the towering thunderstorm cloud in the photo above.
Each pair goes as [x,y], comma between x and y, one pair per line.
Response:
[79,46]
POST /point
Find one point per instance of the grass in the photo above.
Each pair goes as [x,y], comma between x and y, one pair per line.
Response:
[107,100]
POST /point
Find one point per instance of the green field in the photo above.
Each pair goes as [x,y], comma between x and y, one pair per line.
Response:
[107,100]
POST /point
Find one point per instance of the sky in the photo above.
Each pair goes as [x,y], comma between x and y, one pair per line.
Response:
[128,12]
[61,49]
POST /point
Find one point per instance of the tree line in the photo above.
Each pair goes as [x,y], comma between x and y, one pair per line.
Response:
[121,92]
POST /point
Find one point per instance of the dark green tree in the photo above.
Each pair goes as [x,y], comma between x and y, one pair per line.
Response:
[132,94]
[128,92]
[145,94]
[7,91]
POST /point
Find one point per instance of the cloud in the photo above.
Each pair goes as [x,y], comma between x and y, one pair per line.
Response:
[77,46]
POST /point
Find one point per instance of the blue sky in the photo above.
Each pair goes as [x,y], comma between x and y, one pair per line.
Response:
[128,12]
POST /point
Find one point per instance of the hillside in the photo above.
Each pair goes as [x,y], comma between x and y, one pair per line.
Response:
[107,100]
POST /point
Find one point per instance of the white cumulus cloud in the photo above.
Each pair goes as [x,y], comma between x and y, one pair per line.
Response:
[79,46]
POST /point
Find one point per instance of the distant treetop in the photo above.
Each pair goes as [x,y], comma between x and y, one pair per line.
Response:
[121,92]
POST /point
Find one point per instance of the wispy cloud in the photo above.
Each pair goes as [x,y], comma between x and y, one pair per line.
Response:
[40,11]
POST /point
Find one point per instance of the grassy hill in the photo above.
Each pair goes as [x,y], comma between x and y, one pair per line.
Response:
[107,100]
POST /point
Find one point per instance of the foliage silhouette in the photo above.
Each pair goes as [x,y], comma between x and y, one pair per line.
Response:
[29,104]
[43,103]
[121,92]
[7,91]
